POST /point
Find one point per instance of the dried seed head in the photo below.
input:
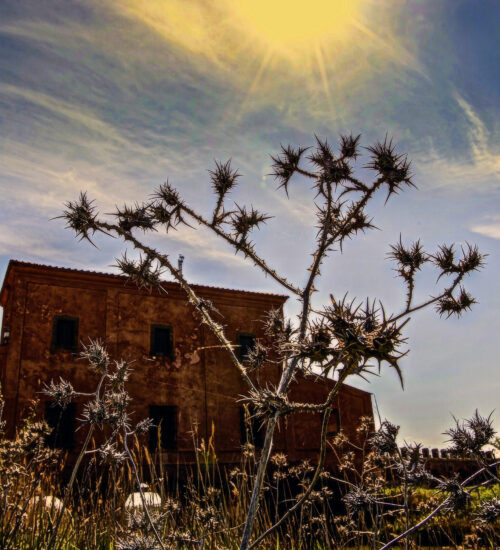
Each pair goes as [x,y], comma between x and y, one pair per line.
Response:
[357,500]
[96,354]
[96,412]
[384,439]
[450,305]
[470,436]
[488,511]
[409,259]
[62,392]
[243,221]
[349,146]
[286,164]
[144,272]
[81,217]
[223,177]
[392,167]
[458,498]
[137,216]
[109,454]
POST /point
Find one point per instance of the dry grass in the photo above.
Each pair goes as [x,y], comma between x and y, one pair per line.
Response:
[203,505]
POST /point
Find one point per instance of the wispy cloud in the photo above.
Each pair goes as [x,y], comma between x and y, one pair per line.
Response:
[489,227]
[478,168]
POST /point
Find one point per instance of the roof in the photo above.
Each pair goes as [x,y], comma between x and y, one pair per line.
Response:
[13,263]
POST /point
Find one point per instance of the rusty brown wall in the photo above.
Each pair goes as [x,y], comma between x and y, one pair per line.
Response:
[200,379]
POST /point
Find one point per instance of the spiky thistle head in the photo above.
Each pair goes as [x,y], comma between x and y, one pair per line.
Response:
[265,402]
[167,194]
[488,511]
[409,259]
[455,305]
[286,164]
[144,272]
[81,216]
[384,439]
[458,498]
[243,221]
[96,354]
[332,170]
[61,392]
[393,168]
[136,216]
[256,356]
[470,436]
[471,260]
[223,177]
[349,146]
[357,500]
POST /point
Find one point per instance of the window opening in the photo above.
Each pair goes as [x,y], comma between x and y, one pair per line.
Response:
[246,343]
[162,341]
[65,333]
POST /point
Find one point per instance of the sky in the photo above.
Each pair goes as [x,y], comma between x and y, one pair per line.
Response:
[114,97]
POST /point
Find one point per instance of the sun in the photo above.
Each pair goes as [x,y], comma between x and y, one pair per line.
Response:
[293,24]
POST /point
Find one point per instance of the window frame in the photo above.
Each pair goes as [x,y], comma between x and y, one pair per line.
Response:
[153,327]
[171,441]
[53,344]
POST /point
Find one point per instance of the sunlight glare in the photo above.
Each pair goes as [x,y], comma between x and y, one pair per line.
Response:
[289,23]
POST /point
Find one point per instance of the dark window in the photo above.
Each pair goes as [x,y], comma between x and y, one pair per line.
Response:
[163,433]
[252,429]
[62,422]
[162,341]
[334,423]
[65,333]
[246,343]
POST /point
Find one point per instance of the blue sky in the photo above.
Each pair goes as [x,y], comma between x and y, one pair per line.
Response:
[114,97]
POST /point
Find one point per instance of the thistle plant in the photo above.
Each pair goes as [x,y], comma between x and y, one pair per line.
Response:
[105,408]
[337,340]
[380,494]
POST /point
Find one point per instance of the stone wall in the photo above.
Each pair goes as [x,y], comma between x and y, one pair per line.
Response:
[199,379]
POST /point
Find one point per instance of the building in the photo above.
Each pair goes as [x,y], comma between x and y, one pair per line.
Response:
[181,377]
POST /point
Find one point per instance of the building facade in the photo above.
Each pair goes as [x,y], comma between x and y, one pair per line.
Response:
[181,378]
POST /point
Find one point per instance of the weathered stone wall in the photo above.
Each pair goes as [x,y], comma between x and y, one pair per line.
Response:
[199,380]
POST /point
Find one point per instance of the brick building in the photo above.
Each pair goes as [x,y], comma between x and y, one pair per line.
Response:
[180,376]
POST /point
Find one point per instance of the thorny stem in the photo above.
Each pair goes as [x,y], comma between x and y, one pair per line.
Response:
[485,465]
[318,255]
[245,248]
[285,380]
[192,296]
[411,287]
[451,288]
[220,201]
[259,480]
[435,511]
[359,206]
[324,426]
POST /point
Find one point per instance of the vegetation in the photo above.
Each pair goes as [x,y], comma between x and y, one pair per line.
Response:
[361,506]
[337,340]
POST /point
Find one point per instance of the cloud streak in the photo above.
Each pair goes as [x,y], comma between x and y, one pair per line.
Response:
[477,169]
[489,227]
